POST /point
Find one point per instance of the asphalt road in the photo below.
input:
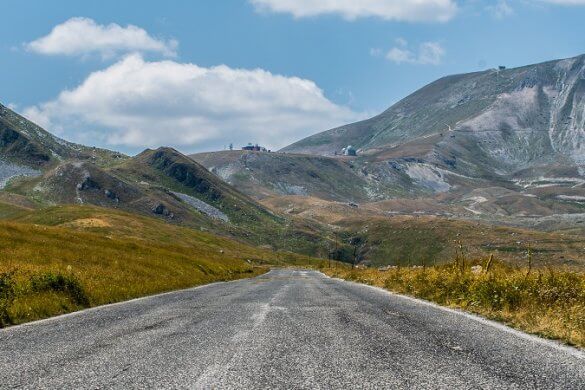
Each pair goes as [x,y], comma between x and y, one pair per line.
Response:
[286,329]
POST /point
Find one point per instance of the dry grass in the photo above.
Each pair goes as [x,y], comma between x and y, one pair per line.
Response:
[50,270]
[546,302]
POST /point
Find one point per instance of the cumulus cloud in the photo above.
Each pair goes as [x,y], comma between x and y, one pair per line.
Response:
[428,53]
[135,104]
[398,10]
[83,36]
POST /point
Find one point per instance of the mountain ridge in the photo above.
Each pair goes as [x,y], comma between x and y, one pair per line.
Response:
[475,102]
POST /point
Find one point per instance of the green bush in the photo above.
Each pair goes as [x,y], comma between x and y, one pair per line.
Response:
[7,294]
[60,283]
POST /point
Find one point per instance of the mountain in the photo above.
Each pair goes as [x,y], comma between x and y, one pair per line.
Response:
[484,123]
[161,181]
[39,170]
[25,142]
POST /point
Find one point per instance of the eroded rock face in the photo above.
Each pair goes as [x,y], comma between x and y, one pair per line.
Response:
[111,195]
[88,184]
[203,207]
[161,209]
[184,171]
[9,170]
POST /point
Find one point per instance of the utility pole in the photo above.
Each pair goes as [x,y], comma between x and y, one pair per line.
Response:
[336,252]
[355,242]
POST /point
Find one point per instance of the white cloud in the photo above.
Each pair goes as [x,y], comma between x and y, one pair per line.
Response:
[83,36]
[501,9]
[399,10]
[400,56]
[136,104]
[429,53]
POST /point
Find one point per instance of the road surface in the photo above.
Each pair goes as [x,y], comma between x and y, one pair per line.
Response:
[285,329]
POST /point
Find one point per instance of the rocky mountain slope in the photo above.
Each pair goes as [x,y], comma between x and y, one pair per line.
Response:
[26,149]
[24,142]
[193,185]
[263,174]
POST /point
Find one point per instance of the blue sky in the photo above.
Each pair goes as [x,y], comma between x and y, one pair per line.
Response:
[198,75]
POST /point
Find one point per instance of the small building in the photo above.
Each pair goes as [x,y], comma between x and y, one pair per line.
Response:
[254,148]
[349,151]
[502,67]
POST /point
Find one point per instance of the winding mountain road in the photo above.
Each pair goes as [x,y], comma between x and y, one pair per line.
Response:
[285,329]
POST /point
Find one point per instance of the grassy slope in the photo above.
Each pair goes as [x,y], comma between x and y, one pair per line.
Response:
[53,256]
[408,240]
[170,169]
[550,304]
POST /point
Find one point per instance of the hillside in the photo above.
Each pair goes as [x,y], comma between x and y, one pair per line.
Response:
[184,186]
[23,141]
[162,183]
[39,170]
[509,129]
[169,168]
[262,174]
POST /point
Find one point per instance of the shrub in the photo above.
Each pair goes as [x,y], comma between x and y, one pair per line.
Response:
[66,284]
[7,294]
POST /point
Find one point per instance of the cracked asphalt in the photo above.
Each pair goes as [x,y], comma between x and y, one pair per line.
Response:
[285,329]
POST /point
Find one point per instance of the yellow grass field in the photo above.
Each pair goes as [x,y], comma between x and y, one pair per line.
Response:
[65,258]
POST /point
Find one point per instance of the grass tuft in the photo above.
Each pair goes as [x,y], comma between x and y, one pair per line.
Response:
[60,283]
